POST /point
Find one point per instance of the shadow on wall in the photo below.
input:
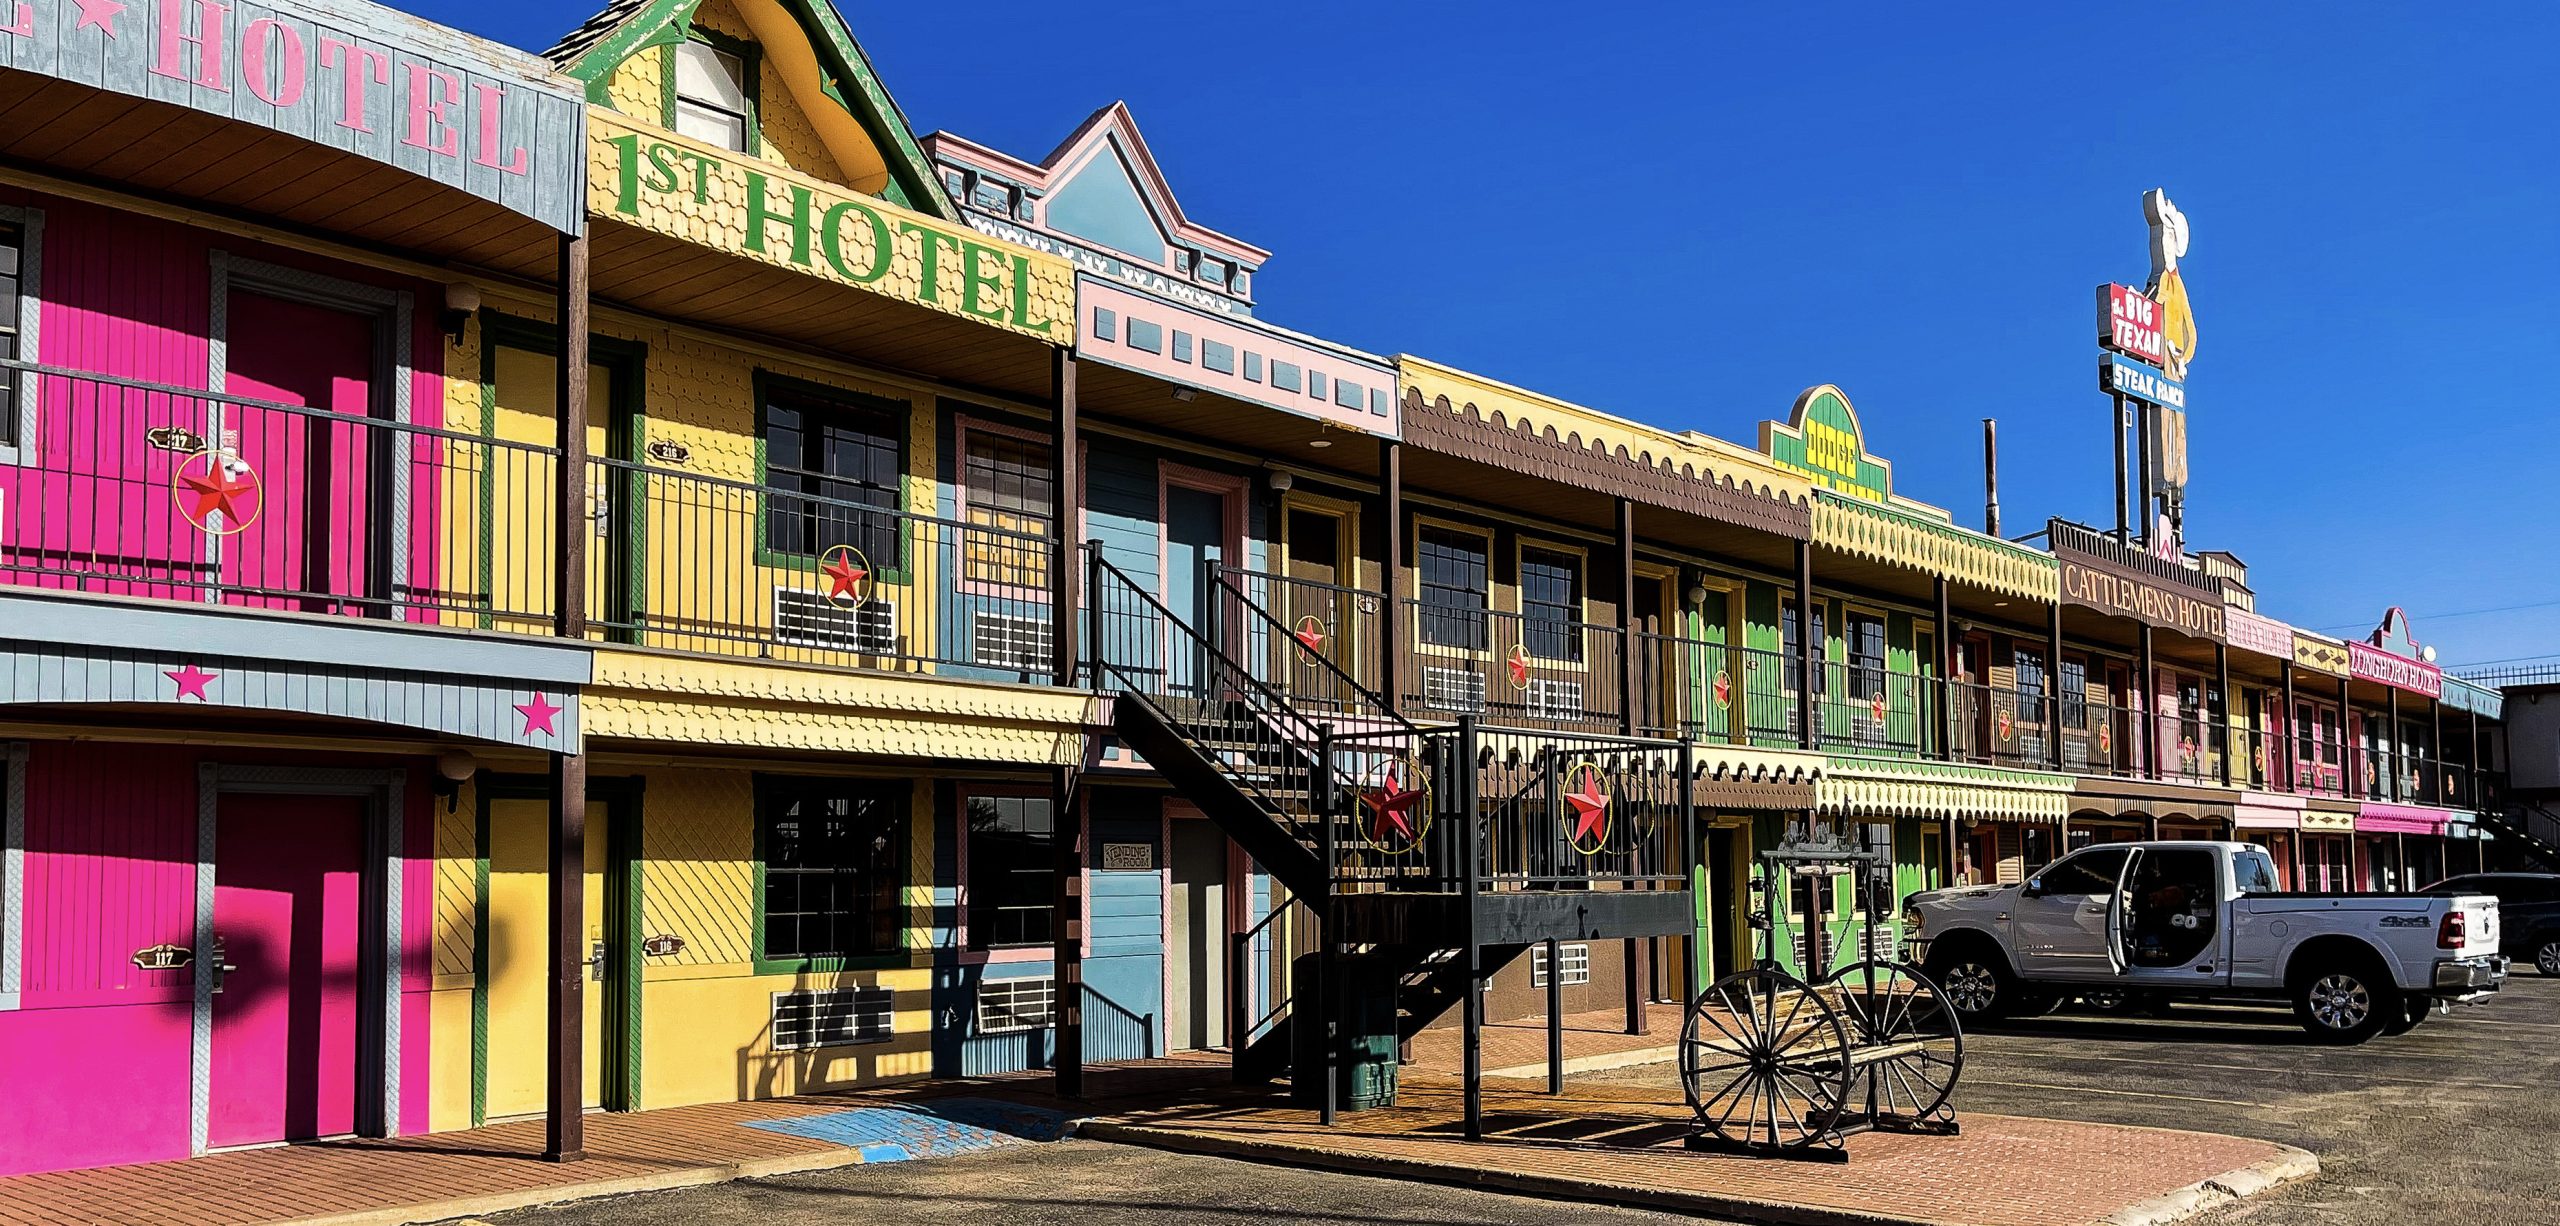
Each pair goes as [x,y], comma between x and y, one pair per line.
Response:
[767,1069]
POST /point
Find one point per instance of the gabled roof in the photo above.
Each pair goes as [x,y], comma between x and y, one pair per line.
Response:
[1114,126]
[624,28]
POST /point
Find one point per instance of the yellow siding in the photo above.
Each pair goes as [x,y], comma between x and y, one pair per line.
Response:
[638,87]
[705,1012]
[457,904]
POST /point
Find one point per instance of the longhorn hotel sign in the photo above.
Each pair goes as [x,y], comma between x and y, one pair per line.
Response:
[2093,582]
[372,81]
[702,194]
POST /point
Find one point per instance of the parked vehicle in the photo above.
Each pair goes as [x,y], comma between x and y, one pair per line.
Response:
[2198,920]
[2528,912]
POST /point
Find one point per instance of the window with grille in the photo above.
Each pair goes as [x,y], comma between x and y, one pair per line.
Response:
[833,1018]
[1009,488]
[1792,669]
[1453,689]
[2073,675]
[711,95]
[1001,640]
[2029,668]
[832,473]
[1573,960]
[1012,1005]
[14,263]
[1012,871]
[1455,586]
[1551,604]
[833,857]
[1864,633]
[2190,714]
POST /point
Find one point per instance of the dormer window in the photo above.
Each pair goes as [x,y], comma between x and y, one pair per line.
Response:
[711,95]
[1211,272]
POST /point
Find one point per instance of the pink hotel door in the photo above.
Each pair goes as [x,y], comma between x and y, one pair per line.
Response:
[288,912]
[315,532]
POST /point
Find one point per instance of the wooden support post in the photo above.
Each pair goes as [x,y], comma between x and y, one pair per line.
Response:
[1627,653]
[2053,686]
[1808,645]
[2222,728]
[1946,644]
[1391,624]
[1470,869]
[564,1134]
[564,1106]
[2150,708]
[2436,791]
[2348,782]
[1066,953]
[2393,755]
[2293,735]
[1064,574]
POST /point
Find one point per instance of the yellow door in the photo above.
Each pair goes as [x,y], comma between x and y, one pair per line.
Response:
[525,390]
[519,935]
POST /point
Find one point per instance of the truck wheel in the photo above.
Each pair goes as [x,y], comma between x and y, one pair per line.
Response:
[2546,957]
[1976,983]
[2344,1002]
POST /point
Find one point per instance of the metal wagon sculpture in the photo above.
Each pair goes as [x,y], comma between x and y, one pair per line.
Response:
[1780,1065]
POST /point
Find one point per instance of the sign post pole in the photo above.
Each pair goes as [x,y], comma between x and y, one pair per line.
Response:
[2115,401]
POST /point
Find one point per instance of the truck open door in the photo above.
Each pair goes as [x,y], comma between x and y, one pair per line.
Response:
[2119,955]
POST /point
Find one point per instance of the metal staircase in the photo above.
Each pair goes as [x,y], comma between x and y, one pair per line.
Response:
[2531,825]
[1423,858]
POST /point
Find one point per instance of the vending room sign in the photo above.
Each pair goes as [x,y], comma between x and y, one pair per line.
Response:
[688,190]
[378,83]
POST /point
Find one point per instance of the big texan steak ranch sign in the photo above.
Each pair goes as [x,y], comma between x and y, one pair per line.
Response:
[2093,584]
[373,81]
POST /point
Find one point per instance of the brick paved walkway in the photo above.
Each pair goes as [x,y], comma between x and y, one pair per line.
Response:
[485,1170]
[1622,1144]
[1593,1040]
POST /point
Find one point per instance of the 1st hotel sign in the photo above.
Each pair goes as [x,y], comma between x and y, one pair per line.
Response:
[689,190]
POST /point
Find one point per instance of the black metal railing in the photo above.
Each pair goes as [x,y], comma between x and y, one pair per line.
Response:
[730,567]
[1511,669]
[1692,689]
[131,488]
[2000,726]
[1299,627]
[2068,535]
[1875,712]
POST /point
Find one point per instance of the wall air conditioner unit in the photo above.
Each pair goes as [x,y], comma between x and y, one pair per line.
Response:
[806,1020]
[1459,690]
[1006,641]
[804,618]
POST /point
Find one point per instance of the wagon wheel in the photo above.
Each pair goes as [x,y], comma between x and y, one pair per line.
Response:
[1765,1062]
[1913,1046]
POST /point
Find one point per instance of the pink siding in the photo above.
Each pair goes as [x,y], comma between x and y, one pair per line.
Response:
[97,1059]
[131,297]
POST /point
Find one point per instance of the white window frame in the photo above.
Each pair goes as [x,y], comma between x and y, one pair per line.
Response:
[30,224]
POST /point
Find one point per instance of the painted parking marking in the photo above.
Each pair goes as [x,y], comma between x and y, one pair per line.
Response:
[2356,1076]
[939,1128]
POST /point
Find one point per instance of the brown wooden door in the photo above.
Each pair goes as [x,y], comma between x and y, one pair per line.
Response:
[1312,601]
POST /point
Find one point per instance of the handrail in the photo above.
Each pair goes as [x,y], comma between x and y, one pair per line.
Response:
[1219,574]
[297,410]
[761,490]
[1174,620]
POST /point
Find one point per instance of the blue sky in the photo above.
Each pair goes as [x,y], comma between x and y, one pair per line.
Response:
[1687,213]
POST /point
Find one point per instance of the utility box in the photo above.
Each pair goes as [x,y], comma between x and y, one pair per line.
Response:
[1365,1038]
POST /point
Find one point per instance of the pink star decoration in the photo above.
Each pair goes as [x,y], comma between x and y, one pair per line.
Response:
[1518,661]
[99,13]
[539,714]
[1590,810]
[191,682]
[1310,633]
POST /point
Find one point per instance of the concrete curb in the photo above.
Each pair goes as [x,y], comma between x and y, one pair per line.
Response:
[659,1181]
[2287,1165]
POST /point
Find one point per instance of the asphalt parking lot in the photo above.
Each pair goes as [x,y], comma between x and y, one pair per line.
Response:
[2456,1121]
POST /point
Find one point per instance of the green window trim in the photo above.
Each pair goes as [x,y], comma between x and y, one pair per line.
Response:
[900,571]
[900,959]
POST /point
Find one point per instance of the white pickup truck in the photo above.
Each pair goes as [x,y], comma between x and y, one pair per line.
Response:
[2171,920]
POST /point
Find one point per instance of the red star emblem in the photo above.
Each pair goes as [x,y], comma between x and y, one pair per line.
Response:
[1590,812]
[1878,706]
[2005,725]
[202,494]
[1310,633]
[1518,664]
[2103,739]
[847,575]
[2186,748]
[1391,807]
[1724,687]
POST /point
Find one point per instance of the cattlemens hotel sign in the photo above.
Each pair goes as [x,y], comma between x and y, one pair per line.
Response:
[692,191]
[2092,582]
[376,82]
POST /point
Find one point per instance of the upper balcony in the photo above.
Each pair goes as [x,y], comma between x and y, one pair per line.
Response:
[137,489]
